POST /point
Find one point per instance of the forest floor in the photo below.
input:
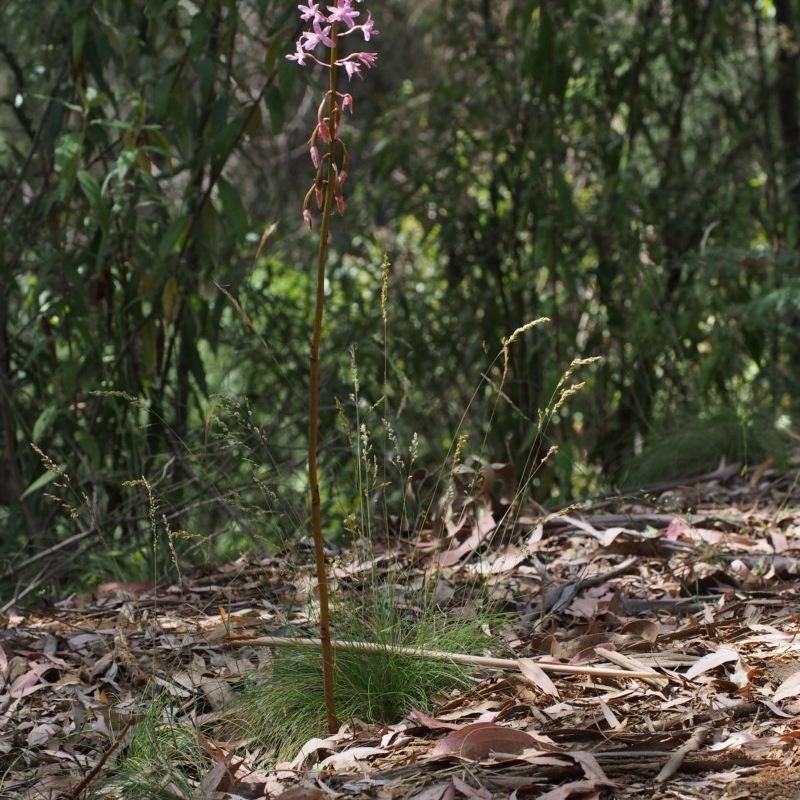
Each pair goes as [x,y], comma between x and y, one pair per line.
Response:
[653,651]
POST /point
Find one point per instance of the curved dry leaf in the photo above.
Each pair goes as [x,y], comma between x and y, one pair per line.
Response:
[580,648]
[591,768]
[736,739]
[646,629]
[311,746]
[609,716]
[536,534]
[775,710]
[40,735]
[451,744]
[484,483]
[462,787]
[540,758]
[508,479]
[584,790]
[430,722]
[740,677]
[506,561]
[708,662]
[453,555]
[304,792]
[218,779]
[495,739]
[354,757]
[481,738]
[789,688]
[441,791]
[537,676]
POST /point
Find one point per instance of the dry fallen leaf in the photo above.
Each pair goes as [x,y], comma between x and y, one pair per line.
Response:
[789,688]
[354,757]
[441,791]
[579,790]
[711,661]
[462,787]
[304,792]
[480,738]
[495,739]
[430,722]
[537,676]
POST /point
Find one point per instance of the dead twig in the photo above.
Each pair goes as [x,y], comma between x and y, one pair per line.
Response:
[676,759]
[78,790]
[510,664]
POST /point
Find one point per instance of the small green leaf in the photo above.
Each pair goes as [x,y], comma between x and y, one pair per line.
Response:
[44,422]
[200,28]
[233,209]
[191,356]
[89,445]
[169,299]
[39,483]
[78,28]
[148,336]
[276,107]
[173,237]
[253,120]
[91,189]
[206,71]
[208,233]
[67,152]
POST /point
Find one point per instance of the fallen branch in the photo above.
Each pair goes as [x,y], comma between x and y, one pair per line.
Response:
[511,664]
[677,758]
[78,790]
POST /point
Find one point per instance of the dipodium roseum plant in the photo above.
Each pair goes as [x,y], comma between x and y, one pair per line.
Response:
[319,45]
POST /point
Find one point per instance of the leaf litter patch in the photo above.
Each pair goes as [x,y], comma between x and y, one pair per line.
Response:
[650,649]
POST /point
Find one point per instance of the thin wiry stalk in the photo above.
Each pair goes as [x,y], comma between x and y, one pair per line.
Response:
[313,420]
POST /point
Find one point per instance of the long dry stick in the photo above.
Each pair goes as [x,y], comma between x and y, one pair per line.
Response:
[511,664]
[81,787]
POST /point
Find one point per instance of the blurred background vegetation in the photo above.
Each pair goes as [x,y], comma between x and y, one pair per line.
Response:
[630,170]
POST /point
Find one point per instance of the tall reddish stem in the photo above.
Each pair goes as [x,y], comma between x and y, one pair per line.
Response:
[313,418]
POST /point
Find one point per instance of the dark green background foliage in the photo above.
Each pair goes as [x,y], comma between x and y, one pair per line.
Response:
[628,169]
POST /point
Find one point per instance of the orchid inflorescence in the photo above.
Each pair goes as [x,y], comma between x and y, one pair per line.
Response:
[325,32]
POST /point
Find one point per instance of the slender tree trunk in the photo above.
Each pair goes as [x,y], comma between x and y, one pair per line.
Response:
[12,484]
[786,90]
[787,95]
